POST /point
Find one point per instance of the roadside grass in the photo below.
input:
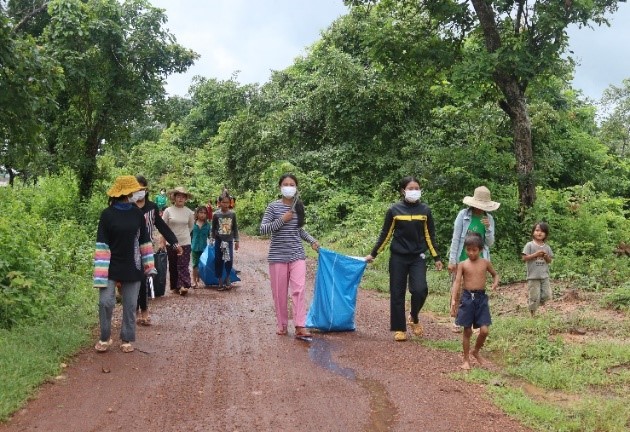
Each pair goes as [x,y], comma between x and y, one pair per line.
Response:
[29,355]
[567,369]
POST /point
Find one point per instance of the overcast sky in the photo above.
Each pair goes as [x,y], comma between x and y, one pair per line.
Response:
[254,37]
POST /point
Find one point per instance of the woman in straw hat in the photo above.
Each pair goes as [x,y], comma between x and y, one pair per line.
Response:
[124,256]
[476,218]
[181,220]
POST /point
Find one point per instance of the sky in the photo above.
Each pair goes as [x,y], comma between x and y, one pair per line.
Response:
[254,37]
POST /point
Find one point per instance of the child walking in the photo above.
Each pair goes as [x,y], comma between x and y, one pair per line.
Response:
[225,235]
[473,310]
[200,235]
[538,255]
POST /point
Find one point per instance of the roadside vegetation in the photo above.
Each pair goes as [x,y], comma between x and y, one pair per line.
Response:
[393,88]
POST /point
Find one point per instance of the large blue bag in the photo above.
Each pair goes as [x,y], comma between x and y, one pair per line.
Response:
[206,268]
[335,296]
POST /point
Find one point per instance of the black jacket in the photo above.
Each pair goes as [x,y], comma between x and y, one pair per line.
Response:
[411,229]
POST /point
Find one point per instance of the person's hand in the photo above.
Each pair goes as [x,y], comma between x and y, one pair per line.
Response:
[453,308]
[236,245]
[369,258]
[180,250]
[439,266]
[287,216]
[315,246]
[452,267]
[486,222]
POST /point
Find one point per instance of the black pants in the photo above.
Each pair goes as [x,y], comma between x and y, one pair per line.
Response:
[403,268]
[143,295]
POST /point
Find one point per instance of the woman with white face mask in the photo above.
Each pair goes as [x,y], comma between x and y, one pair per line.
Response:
[409,224]
[284,221]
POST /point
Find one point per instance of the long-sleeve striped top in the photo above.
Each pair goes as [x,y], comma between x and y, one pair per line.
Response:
[286,237]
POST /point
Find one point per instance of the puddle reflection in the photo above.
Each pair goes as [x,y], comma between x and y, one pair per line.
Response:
[320,353]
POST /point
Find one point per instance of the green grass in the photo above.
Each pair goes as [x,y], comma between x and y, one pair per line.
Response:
[580,385]
[29,355]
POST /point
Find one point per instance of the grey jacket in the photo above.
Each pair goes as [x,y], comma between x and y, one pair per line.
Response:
[460,228]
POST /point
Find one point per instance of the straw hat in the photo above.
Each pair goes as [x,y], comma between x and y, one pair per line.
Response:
[179,190]
[124,185]
[481,200]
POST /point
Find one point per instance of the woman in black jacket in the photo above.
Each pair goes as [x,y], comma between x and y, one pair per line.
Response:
[409,224]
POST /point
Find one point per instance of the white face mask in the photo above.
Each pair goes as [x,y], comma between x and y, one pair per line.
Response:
[137,196]
[412,195]
[288,191]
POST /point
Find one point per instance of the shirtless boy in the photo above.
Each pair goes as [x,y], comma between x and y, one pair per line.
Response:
[474,310]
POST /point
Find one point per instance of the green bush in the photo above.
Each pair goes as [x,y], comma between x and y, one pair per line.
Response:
[46,255]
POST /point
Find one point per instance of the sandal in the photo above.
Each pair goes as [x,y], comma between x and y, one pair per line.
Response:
[183,291]
[416,328]
[126,347]
[301,332]
[282,332]
[102,346]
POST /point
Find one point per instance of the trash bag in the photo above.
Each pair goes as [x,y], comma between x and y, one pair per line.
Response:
[206,268]
[159,280]
[335,296]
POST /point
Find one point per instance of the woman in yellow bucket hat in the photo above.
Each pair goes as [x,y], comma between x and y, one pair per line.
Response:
[123,257]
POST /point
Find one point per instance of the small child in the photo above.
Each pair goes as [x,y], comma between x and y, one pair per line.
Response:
[225,235]
[537,254]
[474,310]
[199,241]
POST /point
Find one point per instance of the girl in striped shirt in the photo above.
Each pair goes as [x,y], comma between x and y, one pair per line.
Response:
[284,221]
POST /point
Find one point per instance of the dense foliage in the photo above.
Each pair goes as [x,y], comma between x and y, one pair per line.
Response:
[393,88]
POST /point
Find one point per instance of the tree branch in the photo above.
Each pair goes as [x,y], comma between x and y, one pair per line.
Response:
[30,16]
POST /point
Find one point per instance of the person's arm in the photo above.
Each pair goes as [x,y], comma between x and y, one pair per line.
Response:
[528,255]
[164,229]
[235,231]
[495,275]
[383,237]
[489,237]
[455,240]
[270,223]
[214,229]
[146,246]
[102,255]
[455,289]
[431,243]
[308,238]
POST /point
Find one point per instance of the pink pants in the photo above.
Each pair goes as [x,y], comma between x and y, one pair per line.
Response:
[284,276]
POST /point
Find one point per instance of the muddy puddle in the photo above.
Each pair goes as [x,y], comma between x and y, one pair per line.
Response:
[382,409]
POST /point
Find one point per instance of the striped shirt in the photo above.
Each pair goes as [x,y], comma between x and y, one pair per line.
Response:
[286,237]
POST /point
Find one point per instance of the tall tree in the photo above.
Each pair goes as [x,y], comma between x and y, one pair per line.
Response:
[116,57]
[29,80]
[509,43]
[615,131]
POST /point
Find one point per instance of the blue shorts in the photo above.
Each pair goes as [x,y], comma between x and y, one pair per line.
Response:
[474,310]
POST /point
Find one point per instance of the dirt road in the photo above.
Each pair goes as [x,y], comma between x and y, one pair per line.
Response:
[212,362]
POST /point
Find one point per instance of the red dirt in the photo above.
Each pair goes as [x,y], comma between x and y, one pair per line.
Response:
[212,362]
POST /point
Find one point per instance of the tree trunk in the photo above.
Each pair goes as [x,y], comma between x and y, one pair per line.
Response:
[514,104]
[87,171]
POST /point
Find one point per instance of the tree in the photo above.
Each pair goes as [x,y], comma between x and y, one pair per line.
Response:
[510,44]
[29,80]
[115,57]
[615,130]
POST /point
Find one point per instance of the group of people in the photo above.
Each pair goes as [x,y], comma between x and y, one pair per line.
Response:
[132,228]
[123,248]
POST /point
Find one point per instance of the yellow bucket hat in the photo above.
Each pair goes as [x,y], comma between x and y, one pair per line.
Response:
[124,185]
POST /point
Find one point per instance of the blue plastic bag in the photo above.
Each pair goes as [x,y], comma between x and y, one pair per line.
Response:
[206,268]
[335,296]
